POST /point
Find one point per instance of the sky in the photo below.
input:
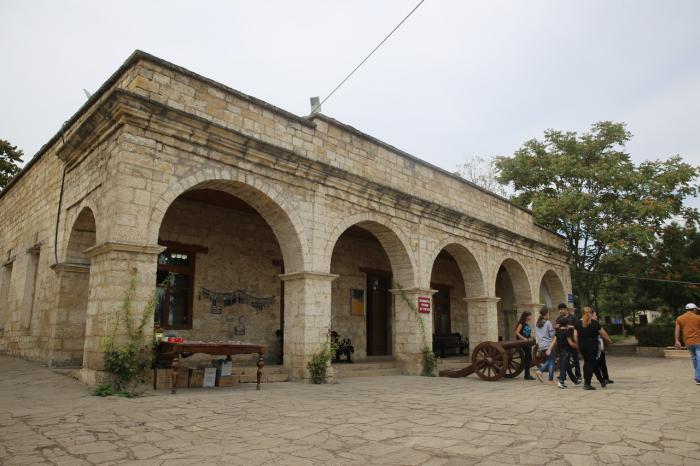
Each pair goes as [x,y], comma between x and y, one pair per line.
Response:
[459,79]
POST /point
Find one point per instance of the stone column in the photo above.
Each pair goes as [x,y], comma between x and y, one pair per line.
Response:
[67,320]
[112,267]
[408,339]
[307,319]
[482,315]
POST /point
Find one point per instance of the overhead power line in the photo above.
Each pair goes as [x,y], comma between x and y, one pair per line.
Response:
[640,278]
[367,57]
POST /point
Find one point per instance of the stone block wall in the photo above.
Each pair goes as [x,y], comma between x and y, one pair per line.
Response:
[155,131]
[352,253]
[242,253]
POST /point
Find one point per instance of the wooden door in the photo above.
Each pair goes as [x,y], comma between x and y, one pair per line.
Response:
[441,310]
[377,315]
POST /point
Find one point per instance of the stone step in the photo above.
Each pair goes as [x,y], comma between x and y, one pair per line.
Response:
[457,362]
[249,374]
[370,367]
[362,365]
[343,373]
[72,372]
[622,350]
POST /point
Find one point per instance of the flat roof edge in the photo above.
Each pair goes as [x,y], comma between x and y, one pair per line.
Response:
[306,121]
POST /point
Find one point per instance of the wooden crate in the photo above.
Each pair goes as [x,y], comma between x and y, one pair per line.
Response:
[196,378]
[163,379]
[183,378]
[227,380]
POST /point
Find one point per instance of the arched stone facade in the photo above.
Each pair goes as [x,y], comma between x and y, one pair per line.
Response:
[143,142]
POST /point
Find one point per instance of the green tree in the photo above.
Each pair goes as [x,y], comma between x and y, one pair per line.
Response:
[676,257]
[10,157]
[587,188]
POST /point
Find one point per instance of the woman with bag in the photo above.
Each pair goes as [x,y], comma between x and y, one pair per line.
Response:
[523,331]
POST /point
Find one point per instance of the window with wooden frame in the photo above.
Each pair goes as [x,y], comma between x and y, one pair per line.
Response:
[175,288]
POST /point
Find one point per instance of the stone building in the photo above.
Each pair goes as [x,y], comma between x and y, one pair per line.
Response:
[272,225]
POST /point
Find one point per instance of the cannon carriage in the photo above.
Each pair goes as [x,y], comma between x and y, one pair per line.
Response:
[495,360]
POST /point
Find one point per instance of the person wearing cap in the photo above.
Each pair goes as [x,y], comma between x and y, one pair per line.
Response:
[689,325]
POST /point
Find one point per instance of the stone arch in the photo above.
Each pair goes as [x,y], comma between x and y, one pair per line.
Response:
[472,275]
[67,338]
[392,239]
[555,288]
[268,199]
[519,280]
[83,235]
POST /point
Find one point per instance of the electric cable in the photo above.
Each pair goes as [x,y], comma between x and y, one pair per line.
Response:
[639,278]
[366,58]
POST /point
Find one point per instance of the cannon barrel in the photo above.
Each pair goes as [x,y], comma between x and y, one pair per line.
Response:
[506,345]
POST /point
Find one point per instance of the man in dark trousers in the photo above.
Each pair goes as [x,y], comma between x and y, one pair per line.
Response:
[574,324]
[564,342]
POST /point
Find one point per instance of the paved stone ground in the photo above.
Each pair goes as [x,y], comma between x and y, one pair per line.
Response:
[651,415]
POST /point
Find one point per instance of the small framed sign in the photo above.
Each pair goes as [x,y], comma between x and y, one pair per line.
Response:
[357,302]
[424,304]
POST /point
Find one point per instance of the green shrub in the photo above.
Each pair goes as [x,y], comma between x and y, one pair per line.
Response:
[127,351]
[655,335]
[429,362]
[319,362]
[616,329]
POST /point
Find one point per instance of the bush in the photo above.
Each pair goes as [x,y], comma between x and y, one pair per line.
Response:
[655,335]
[319,362]
[129,357]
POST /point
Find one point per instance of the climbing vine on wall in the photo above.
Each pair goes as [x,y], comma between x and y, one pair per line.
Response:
[127,350]
[429,358]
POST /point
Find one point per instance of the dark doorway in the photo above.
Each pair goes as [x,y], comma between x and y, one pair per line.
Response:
[378,314]
[441,309]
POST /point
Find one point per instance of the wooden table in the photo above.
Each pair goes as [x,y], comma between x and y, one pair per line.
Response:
[175,351]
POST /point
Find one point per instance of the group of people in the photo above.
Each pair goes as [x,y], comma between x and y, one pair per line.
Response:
[566,338]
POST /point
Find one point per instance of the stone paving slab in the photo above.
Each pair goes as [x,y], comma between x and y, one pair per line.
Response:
[651,415]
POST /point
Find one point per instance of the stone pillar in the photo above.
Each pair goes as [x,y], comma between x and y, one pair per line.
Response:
[112,267]
[408,339]
[307,319]
[482,315]
[67,320]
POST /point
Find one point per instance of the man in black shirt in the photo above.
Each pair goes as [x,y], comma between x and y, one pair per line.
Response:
[565,345]
[574,324]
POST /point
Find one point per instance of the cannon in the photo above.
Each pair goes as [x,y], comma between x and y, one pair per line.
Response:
[495,360]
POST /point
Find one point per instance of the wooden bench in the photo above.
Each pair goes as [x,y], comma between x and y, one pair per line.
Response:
[441,343]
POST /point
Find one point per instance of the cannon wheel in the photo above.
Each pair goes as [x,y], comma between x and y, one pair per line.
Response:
[516,362]
[490,361]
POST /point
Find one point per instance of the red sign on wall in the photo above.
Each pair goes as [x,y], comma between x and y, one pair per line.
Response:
[424,305]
